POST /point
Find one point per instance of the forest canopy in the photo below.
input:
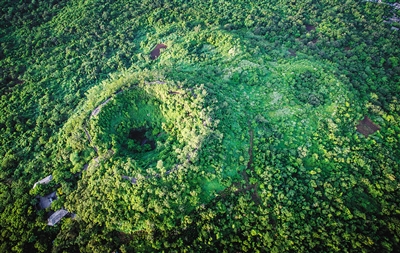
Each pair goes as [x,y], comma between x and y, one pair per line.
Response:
[201,126]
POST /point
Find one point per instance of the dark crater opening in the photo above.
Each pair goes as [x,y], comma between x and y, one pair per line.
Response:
[142,137]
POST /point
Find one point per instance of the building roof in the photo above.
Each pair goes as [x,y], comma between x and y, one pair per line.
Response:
[45,202]
[45,180]
[56,217]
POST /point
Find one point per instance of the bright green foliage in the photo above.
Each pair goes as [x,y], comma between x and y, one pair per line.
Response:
[240,137]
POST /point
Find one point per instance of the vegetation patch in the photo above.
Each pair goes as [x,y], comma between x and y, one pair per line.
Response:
[240,137]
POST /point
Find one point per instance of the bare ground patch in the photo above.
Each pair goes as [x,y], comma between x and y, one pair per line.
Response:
[367,127]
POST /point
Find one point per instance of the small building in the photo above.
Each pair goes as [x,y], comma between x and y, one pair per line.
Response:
[45,180]
[45,202]
[56,217]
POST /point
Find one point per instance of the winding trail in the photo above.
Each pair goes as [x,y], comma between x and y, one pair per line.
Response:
[250,163]
[97,110]
[247,186]
[89,138]
[254,195]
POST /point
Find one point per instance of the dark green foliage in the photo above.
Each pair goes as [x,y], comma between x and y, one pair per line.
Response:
[240,136]
[307,88]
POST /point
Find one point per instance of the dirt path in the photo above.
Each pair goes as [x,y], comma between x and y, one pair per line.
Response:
[250,163]
[252,187]
[155,82]
[89,138]
[98,108]
[246,186]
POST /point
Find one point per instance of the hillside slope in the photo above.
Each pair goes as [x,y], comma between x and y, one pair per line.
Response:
[242,135]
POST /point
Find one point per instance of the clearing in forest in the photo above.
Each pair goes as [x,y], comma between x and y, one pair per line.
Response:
[367,127]
[156,51]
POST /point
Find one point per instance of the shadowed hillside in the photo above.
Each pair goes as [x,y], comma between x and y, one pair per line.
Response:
[202,126]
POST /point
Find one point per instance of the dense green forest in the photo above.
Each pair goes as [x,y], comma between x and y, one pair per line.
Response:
[241,136]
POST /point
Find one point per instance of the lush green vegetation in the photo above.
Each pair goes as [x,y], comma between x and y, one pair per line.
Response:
[240,136]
